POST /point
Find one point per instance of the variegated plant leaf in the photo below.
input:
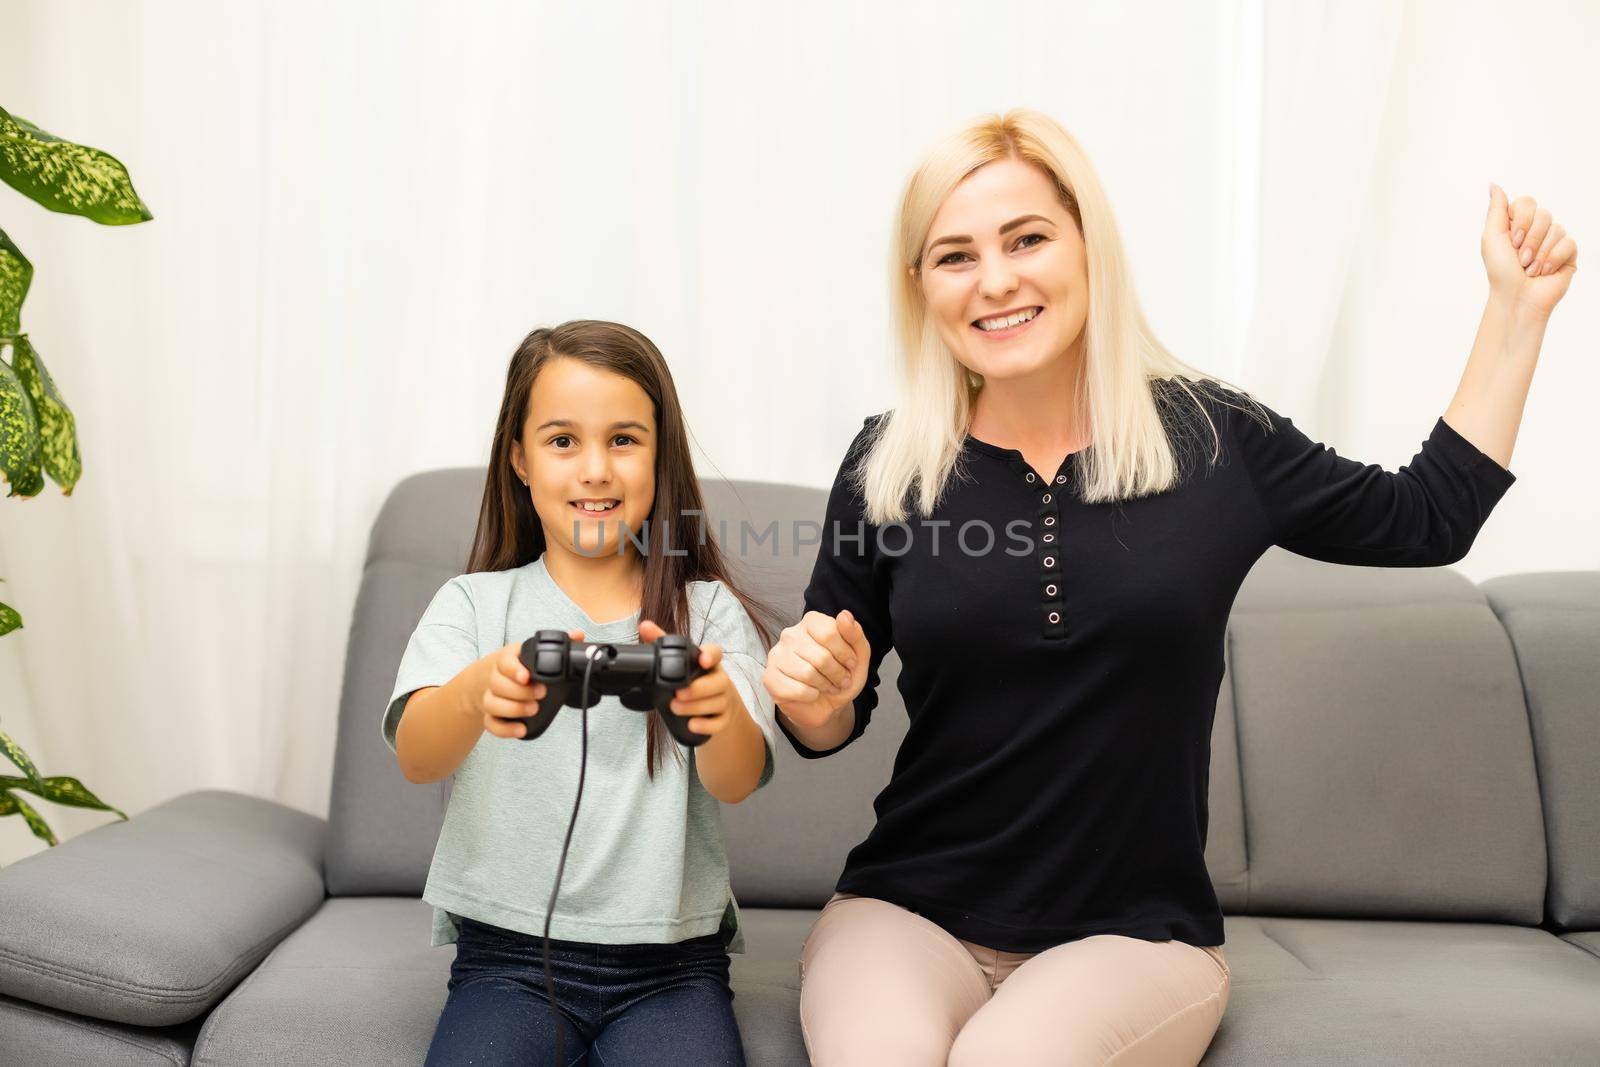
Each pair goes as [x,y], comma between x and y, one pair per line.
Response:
[63,790]
[58,432]
[15,274]
[19,435]
[9,619]
[13,752]
[66,177]
[11,804]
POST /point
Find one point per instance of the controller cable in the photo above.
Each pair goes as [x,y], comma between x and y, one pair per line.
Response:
[593,652]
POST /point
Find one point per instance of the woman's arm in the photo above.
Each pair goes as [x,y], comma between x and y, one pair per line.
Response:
[829,735]
[823,673]
[1328,507]
[1531,260]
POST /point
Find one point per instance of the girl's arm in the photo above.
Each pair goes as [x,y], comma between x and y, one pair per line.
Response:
[730,764]
[439,727]
[441,724]
[1531,260]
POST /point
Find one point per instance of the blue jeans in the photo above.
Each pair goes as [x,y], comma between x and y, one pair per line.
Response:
[620,1004]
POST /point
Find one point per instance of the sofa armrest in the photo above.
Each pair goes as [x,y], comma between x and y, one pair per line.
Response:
[153,920]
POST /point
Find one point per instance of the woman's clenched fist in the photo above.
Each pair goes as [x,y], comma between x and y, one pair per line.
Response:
[817,667]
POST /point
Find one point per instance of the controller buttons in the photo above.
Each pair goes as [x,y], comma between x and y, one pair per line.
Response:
[1055,616]
[549,661]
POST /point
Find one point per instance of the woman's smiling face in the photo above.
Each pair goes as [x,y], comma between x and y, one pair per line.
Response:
[589,439]
[1003,245]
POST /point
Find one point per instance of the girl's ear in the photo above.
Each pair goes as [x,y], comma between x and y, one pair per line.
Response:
[517,462]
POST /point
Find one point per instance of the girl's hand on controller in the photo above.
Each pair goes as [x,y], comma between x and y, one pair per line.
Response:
[710,698]
[817,667]
[509,691]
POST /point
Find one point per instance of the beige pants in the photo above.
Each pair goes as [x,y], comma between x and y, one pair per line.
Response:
[883,986]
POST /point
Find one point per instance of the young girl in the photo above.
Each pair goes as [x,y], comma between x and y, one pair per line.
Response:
[591,523]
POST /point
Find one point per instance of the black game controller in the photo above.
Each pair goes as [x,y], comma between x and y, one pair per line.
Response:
[646,677]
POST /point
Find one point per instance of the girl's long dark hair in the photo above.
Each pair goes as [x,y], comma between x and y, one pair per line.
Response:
[509,533]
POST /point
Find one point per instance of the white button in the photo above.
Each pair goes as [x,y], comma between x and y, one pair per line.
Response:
[1055,616]
[1047,498]
[1049,590]
[1060,478]
[1030,476]
[1049,561]
[1048,538]
[1049,520]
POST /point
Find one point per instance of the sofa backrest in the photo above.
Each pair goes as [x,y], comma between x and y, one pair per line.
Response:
[1382,755]
[382,828]
[1371,753]
[1554,622]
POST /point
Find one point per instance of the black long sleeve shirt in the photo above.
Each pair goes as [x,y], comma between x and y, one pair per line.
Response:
[1060,687]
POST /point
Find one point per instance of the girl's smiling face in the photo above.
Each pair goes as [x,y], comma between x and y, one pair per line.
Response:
[589,441]
[1003,243]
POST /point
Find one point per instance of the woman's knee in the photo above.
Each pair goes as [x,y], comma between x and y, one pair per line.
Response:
[990,1038]
[1025,1040]
[1102,1000]
[882,985]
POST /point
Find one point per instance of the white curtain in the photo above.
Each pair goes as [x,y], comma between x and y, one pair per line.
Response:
[1324,79]
[362,207]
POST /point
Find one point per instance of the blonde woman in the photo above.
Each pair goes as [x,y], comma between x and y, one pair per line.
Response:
[1050,528]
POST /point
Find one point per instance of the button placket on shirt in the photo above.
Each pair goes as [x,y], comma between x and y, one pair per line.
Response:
[1048,526]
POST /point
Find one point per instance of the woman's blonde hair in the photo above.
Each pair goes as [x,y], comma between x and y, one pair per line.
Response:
[916,446]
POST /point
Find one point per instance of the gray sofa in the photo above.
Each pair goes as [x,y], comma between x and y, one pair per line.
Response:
[1404,832]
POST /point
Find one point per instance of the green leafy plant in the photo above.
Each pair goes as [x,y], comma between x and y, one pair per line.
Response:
[38,435]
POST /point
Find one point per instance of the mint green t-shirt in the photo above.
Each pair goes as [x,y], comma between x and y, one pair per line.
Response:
[646,863]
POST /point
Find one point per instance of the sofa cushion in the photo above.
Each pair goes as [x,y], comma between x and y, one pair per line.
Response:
[1306,991]
[32,1034]
[1554,623]
[359,983]
[1329,991]
[153,920]
[1588,940]
[766,985]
